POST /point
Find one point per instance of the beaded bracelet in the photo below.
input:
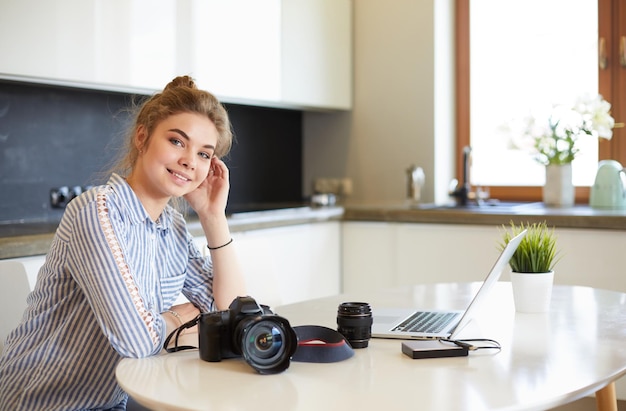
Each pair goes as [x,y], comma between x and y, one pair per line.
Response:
[220,246]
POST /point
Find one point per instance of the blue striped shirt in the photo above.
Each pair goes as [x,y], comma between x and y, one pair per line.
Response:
[109,274]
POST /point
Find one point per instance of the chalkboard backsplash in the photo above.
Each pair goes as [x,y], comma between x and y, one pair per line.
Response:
[53,137]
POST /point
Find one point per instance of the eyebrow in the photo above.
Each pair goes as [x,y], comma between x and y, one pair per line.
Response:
[186,137]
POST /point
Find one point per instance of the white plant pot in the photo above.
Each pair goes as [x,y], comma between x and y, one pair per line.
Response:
[532,292]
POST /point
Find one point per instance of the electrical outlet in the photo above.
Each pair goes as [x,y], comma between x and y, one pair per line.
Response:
[323,185]
[346,186]
[61,196]
[338,186]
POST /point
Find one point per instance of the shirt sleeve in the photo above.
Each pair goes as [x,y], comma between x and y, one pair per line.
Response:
[100,266]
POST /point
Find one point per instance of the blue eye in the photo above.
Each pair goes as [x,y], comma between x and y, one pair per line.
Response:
[204,155]
[176,141]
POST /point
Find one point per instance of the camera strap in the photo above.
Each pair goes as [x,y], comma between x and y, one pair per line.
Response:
[176,333]
[315,343]
[320,344]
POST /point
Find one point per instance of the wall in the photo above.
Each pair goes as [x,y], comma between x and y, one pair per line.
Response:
[403,110]
[55,136]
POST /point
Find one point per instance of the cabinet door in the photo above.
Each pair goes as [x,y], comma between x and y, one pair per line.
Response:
[51,39]
[110,43]
[297,53]
[368,256]
[276,52]
[32,265]
[593,258]
[236,47]
[289,264]
[317,53]
[432,253]
[388,254]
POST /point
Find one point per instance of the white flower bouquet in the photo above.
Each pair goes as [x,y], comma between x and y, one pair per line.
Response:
[554,139]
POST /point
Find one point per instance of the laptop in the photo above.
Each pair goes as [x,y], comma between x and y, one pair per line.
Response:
[437,324]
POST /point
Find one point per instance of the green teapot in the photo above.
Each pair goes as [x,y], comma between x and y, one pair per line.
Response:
[609,189]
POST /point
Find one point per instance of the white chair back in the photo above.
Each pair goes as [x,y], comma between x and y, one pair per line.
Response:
[13,292]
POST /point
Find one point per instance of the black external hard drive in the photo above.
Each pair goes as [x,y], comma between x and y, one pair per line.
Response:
[432,349]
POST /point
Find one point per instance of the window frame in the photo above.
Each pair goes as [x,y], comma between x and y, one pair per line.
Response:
[611,16]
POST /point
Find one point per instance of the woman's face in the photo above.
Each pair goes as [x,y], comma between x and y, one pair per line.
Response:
[178,155]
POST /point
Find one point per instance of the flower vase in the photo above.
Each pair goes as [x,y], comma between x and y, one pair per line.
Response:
[558,190]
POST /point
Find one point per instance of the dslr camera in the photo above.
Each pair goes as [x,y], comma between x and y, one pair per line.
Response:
[265,340]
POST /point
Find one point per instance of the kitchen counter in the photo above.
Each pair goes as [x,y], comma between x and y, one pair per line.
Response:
[579,216]
[22,240]
[27,239]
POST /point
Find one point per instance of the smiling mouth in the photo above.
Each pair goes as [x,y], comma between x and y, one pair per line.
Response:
[180,176]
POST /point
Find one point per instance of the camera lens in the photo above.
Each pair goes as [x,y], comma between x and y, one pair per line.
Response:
[354,321]
[264,341]
[267,343]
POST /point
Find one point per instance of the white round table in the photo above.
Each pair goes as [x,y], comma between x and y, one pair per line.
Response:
[574,350]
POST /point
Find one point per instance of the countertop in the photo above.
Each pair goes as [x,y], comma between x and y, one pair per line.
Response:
[578,216]
[21,240]
[34,238]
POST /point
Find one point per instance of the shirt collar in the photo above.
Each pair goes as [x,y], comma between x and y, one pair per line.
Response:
[136,211]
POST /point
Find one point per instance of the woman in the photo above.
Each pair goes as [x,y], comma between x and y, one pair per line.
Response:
[122,255]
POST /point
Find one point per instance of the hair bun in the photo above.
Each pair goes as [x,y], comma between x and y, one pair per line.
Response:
[181,81]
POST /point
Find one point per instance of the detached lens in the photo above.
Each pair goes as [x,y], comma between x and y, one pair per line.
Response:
[354,321]
[267,343]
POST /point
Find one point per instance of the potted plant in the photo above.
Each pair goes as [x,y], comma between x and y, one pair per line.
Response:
[532,265]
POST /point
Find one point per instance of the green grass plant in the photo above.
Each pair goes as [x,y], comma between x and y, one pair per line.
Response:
[537,253]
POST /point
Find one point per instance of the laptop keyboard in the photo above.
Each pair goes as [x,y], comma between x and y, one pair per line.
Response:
[429,322]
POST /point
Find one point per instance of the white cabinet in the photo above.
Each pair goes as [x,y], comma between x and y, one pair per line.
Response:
[294,263]
[236,47]
[108,43]
[32,265]
[387,254]
[316,54]
[368,256]
[289,264]
[430,253]
[275,52]
[284,52]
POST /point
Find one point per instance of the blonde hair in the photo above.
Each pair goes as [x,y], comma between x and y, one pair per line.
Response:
[181,95]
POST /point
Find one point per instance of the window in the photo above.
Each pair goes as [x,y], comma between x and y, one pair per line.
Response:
[515,56]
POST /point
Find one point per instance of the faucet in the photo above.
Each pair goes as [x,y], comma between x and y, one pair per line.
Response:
[462,191]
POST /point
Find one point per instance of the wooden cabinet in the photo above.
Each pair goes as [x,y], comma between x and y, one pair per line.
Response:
[262,52]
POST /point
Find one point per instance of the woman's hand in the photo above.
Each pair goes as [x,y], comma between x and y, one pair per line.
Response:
[211,196]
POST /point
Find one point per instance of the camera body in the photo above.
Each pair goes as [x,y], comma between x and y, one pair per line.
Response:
[264,339]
